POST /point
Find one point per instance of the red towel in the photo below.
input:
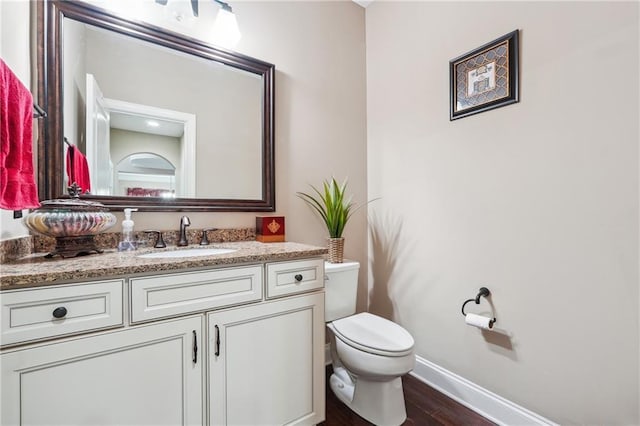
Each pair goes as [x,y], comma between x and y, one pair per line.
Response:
[78,169]
[17,182]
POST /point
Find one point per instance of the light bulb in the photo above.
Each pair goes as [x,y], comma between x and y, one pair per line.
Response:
[225,30]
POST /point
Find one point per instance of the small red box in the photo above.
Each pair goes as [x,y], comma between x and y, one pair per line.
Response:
[270,229]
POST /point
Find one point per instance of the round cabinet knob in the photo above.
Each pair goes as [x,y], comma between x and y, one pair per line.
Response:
[60,312]
[298,277]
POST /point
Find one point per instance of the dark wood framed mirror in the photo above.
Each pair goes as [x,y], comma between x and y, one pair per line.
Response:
[231,134]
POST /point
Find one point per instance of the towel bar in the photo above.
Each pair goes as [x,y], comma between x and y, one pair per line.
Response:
[38,111]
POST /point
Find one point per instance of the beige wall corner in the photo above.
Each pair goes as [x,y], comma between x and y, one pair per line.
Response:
[538,201]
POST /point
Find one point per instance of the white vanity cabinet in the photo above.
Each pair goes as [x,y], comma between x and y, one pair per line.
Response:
[228,345]
[266,363]
[146,375]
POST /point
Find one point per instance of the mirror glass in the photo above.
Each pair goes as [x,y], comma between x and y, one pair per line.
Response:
[145,174]
[164,122]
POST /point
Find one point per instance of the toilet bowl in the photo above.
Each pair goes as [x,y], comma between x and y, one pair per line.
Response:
[368,353]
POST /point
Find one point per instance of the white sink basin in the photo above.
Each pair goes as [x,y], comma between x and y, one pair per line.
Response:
[193,252]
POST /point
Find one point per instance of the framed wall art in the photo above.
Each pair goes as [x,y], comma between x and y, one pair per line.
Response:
[485,78]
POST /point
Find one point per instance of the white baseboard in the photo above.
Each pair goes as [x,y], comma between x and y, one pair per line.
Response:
[482,401]
[478,399]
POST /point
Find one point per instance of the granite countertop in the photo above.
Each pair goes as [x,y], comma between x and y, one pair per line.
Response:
[36,270]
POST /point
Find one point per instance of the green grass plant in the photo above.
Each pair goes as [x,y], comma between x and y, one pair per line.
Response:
[331,203]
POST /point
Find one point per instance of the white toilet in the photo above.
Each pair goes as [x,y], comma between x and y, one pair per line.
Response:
[369,353]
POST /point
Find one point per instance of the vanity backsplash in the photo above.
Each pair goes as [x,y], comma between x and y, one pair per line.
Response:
[19,247]
[16,248]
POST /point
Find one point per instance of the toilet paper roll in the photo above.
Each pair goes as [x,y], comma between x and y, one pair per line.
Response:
[479,321]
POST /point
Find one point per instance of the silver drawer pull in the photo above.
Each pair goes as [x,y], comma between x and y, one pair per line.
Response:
[60,312]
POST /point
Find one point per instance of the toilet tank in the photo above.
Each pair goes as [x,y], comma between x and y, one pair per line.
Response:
[341,289]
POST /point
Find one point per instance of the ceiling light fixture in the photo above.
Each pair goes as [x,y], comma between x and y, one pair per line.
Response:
[225,28]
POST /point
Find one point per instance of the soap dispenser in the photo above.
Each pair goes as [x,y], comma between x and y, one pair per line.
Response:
[128,242]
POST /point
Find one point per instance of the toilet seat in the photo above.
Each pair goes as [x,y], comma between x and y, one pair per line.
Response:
[373,334]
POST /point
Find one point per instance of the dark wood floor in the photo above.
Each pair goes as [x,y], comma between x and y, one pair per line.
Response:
[425,406]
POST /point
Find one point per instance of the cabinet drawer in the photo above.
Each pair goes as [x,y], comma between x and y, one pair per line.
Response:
[286,278]
[29,314]
[168,295]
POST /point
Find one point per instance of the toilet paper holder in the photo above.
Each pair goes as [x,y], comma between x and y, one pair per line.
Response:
[483,292]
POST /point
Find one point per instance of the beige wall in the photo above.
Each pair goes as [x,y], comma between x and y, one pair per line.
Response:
[319,52]
[538,201]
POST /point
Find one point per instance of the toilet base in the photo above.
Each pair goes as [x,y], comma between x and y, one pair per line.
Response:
[379,402]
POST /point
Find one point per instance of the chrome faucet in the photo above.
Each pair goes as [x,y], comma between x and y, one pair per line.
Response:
[184,222]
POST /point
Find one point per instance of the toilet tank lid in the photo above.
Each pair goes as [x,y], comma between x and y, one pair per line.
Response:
[375,333]
[344,266]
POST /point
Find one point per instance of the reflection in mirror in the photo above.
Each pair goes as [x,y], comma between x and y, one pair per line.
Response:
[135,144]
[136,128]
[145,174]
[112,66]
[132,94]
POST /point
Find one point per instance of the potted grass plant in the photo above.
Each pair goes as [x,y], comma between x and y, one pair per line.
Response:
[335,209]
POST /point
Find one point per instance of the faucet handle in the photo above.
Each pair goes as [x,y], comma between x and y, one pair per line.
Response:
[205,237]
[159,241]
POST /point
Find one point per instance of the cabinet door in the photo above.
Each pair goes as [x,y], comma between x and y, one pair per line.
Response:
[266,363]
[147,375]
